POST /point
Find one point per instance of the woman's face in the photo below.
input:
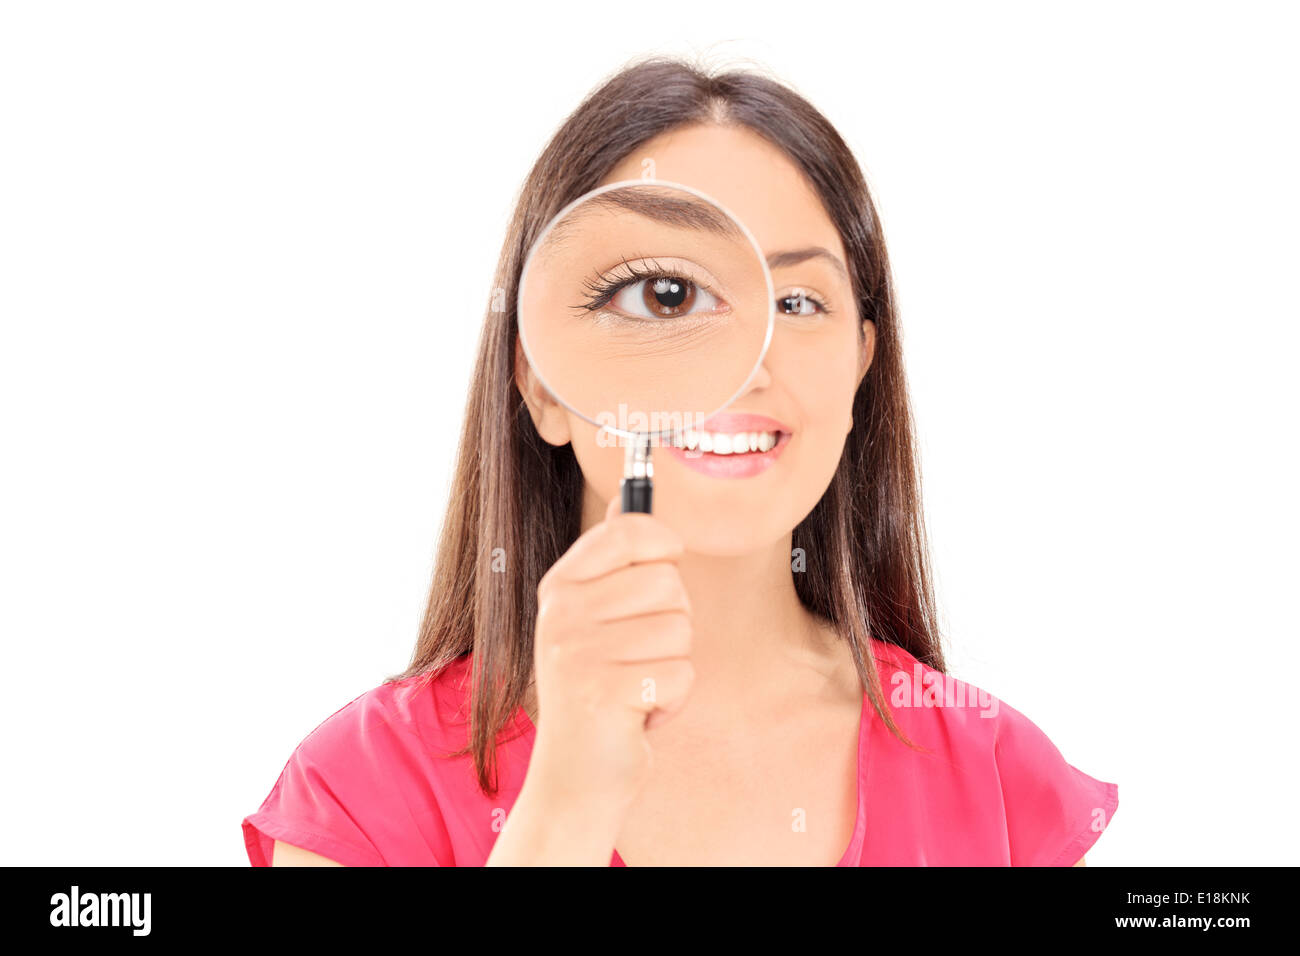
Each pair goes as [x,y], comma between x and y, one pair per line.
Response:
[808,378]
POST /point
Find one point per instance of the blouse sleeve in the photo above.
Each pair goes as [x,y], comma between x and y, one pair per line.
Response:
[1054,811]
[326,791]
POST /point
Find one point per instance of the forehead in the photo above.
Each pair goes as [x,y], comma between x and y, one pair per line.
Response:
[752,178]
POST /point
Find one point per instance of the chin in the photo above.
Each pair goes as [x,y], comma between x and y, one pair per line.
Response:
[723,542]
[728,523]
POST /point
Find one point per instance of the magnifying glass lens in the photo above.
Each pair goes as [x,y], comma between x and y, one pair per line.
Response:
[645,307]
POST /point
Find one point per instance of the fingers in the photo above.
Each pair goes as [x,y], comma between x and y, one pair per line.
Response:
[619,540]
[646,637]
[647,588]
[612,647]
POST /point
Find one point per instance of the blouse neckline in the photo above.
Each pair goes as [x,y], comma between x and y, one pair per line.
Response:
[853,851]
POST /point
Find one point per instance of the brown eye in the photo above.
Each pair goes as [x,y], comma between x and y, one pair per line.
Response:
[665,297]
[668,296]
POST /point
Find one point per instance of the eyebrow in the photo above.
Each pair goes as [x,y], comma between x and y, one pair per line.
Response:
[657,205]
[691,213]
[792,257]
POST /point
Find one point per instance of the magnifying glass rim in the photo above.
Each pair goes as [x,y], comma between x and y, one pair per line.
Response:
[523,276]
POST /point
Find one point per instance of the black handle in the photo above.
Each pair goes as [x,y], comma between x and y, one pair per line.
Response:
[636,494]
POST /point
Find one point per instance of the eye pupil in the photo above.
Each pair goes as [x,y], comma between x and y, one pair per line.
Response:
[667,294]
[795,304]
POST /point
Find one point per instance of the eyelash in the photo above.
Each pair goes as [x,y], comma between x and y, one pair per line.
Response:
[603,288]
[809,297]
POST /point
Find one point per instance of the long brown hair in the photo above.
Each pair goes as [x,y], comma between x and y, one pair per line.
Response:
[865,541]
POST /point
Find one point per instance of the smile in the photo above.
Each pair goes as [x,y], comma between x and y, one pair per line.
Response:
[736,446]
[724,443]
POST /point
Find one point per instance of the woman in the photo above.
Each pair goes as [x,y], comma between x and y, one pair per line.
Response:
[802,714]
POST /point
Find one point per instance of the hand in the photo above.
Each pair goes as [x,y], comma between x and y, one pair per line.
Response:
[611,657]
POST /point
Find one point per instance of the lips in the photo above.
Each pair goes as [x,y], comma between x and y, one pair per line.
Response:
[733,445]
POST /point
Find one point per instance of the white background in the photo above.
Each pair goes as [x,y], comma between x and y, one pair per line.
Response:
[245,250]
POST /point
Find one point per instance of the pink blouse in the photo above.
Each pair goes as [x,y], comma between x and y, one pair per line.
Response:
[370,787]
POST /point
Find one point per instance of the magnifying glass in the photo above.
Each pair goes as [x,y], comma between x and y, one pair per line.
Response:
[645,308]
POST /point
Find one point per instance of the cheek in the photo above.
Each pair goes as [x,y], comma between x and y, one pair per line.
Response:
[823,382]
[823,372]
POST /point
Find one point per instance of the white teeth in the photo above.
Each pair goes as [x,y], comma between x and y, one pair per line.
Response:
[724,443]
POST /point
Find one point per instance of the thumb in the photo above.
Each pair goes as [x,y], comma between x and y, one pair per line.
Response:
[614,507]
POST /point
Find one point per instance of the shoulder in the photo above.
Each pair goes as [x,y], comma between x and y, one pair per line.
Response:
[426,707]
[944,709]
[934,706]
[996,758]
[365,720]
[361,778]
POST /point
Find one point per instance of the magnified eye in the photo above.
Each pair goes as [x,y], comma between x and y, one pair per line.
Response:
[664,297]
[654,291]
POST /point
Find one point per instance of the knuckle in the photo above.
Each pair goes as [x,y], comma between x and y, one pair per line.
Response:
[554,602]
